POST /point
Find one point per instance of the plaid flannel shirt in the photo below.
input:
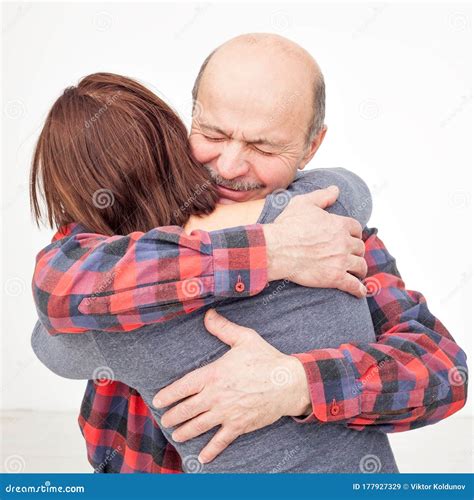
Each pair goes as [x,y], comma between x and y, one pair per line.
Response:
[413,375]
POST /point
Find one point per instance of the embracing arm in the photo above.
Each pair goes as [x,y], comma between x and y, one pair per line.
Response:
[84,281]
[413,375]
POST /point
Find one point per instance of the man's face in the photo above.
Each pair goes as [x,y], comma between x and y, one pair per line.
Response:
[252,140]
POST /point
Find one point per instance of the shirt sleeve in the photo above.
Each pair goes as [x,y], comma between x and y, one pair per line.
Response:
[84,281]
[413,375]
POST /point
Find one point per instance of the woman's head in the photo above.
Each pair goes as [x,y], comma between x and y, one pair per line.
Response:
[115,158]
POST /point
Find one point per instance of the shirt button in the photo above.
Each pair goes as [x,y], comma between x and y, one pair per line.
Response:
[239,286]
[334,408]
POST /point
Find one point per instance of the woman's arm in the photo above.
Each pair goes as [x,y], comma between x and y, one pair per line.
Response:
[70,356]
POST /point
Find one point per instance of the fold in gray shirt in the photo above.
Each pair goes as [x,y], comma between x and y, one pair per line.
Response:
[290,317]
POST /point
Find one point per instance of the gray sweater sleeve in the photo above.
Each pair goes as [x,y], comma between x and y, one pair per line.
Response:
[354,198]
[70,356]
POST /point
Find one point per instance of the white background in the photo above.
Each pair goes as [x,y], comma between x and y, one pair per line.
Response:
[399,96]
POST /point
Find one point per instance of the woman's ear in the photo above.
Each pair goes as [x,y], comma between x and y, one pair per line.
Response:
[313,147]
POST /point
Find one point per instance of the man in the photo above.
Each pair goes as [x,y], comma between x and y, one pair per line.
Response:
[260,118]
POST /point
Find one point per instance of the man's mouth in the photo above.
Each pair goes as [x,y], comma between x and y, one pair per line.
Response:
[232,195]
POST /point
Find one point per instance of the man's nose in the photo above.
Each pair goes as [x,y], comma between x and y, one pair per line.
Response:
[231,163]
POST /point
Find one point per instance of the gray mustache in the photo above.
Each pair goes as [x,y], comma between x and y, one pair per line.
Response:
[235,185]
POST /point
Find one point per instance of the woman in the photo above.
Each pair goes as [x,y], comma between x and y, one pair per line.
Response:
[135,145]
[105,160]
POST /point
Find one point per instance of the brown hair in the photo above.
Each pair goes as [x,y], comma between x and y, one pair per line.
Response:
[115,158]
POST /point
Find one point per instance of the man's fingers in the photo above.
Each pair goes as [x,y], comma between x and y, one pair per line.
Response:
[190,384]
[358,247]
[223,438]
[357,266]
[185,410]
[354,227]
[352,285]
[323,198]
[195,427]
[223,329]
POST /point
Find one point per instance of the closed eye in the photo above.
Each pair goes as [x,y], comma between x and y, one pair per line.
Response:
[264,153]
[215,139]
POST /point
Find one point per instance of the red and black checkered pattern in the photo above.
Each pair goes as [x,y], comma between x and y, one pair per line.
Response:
[84,281]
[413,375]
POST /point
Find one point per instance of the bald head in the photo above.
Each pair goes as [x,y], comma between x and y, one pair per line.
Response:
[286,74]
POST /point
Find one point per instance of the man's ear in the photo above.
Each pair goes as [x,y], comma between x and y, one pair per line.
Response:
[313,147]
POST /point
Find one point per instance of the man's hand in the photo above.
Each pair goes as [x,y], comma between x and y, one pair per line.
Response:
[249,387]
[312,247]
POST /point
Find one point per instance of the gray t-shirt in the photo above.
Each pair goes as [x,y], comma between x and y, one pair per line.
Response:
[290,317]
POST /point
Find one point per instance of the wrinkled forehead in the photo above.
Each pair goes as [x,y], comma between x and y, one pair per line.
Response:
[258,96]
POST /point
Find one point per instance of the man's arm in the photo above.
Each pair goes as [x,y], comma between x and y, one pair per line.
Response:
[414,375]
[84,281]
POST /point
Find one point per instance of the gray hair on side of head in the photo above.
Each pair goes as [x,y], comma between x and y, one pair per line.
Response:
[319,99]
[319,108]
